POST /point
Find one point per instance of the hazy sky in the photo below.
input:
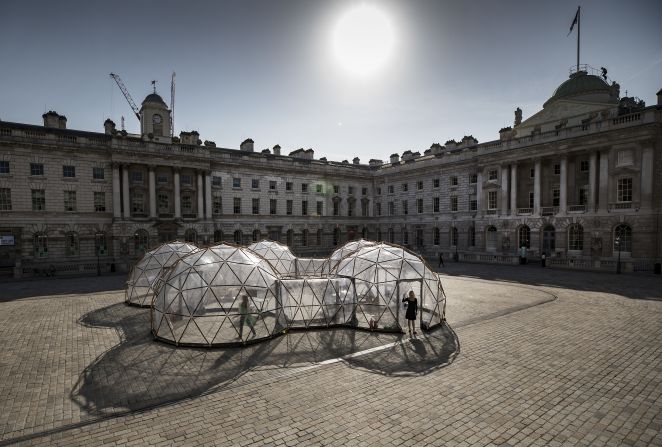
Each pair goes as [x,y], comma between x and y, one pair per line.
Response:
[266,69]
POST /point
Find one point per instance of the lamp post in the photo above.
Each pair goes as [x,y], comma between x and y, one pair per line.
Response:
[97,238]
[618,244]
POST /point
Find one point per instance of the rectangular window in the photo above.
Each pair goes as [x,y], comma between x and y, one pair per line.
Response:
[336,189]
[453,180]
[532,173]
[419,185]
[318,188]
[435,204]
[5,199]
[70,201]
[68,171]
[583,166]
[473,179]
[405,187]
[419,206]
[364,191]
[217,205]
[435,183]
[531,199]
[288,186]
[38,200]
[336,208]
[556,197]
[163,179]
[162,202]
[378,207]
[272,185]
[364,208]
[236,182]
[492,174]
[99,202]
[137,177]
[391,208]
[350,190]
[304,187]
[320,208]
[583,196]
[454,203]
[273,206]
[473,204]
[36,169]
[350,208]
[255,183]
[492,200]
[217,181]
[405,207]
[138,203]
[4,167]
[391,189]
[236,205]
[98,173]
[256,206]
[186,179]
[624,190]
[186,203]
[379,190]
[288,207]
[304,207]
[557,169]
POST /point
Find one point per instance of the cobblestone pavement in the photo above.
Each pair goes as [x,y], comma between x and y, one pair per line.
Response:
[532,356]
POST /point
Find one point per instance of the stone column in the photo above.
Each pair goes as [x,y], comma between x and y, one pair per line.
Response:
[513,189]
[152,192]
[537,180]
[592,175]
[603,195]
[479,192]
[504,190]
[201,201]
[178,203]
[646,198]
[117,192]
[125,191]
[210,206]
[563,185]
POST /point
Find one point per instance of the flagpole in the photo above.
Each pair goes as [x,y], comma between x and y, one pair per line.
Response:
[579,19]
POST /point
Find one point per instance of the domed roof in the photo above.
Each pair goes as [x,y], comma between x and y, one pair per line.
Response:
[580,83]
[279,255]
[153,97]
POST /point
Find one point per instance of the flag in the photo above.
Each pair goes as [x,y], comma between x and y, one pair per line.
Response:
[574,22]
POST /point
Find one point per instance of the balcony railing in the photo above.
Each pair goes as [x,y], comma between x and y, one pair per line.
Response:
[576,208]
[190,215]
[491,212]
[549,210]
[524,211]
[166,215]
[623,206]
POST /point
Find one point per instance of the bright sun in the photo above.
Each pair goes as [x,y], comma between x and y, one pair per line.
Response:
[363,40]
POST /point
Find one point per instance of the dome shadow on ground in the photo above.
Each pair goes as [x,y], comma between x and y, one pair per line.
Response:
[139,372]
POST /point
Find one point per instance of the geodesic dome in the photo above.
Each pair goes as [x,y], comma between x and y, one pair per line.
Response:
[383,274]
[279,255]
[220,295]
[145,273]
[317,302]
[348,248]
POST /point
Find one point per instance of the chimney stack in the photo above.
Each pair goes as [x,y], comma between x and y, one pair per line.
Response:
[356,161]
[375,162]
[109,127]
[659,98]
[276,149]
[247,145]
[55,120]
[395,158]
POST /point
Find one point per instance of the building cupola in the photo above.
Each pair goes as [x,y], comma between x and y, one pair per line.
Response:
[155,118]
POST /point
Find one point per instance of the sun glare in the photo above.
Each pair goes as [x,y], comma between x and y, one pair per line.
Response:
[363,40]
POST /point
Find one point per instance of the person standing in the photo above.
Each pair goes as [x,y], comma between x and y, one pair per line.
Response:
[441,260]
[412,310]
[243,317]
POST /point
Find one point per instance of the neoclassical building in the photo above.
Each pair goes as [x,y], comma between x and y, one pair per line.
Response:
[579,181]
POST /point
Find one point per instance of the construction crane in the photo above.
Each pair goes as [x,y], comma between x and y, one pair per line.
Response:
[128,97]
[172,105]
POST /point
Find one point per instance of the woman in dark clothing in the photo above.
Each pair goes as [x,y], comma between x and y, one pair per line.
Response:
[412,309]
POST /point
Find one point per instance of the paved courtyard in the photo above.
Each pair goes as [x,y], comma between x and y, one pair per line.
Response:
[530,356]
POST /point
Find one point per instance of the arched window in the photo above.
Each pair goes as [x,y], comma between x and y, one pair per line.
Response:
[238,237]
[524,237]
[191,235]
[471,237]
[157,123]
[575,237]
[71,244]
[319,237]
[623,238]
[548,239]
[435,236]
[101,244]
[336,236]
[289,238]
[454,236]
[257,235]
[491,238]
[218,236]
[391,235]
[140,242]
[304,238]
[40,245]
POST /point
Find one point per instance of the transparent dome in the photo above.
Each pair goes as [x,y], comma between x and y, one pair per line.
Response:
[348,248]
[383,274]
[218,296]
[145,273]
[279,255]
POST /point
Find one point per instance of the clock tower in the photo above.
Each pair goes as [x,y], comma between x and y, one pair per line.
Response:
[155,119]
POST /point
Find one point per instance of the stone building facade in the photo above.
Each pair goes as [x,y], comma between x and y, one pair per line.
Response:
[578,181]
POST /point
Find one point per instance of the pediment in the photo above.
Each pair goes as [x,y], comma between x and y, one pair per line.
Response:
[560,110]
